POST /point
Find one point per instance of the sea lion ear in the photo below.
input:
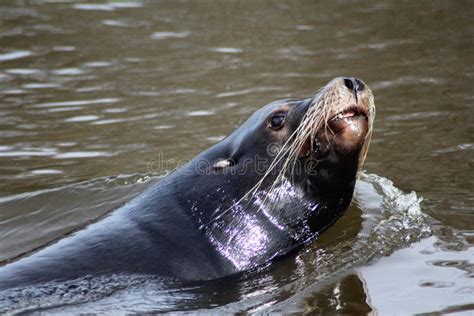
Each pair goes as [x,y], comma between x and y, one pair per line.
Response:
[223,163]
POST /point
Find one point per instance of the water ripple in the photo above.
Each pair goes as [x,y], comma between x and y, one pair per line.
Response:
[111,6]
[168,35]
[82,154]
[108,121]
[39,85]
[226,50]
[200,113]
[23,71]
[245,91]
[405,81]
[97,64]
[64,48]
[45,171]
[67,71]
[82,118]
[28,153]
[79,102]
[15,55]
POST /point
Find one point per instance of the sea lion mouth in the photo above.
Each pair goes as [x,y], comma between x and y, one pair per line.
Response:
[350,111]
[354,118]
[343,132]
[338,121]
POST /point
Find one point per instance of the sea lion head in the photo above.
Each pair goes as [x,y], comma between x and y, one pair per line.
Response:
[317,142]
[284,175]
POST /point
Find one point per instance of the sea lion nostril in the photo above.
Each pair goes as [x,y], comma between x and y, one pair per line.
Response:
[354,84]
[359,85]
[349,84]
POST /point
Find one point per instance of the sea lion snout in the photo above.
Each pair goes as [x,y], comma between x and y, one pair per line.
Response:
[341,113]
[351,117]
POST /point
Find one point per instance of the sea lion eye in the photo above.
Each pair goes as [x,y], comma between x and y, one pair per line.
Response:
[276,121]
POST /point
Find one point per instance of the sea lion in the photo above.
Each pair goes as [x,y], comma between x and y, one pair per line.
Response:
[271,186]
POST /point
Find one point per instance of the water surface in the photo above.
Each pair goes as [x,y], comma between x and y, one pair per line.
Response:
[99,99]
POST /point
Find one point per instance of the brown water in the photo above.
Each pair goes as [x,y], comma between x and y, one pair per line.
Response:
[98,98]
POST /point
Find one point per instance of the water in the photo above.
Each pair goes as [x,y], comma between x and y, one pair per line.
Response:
[97,100]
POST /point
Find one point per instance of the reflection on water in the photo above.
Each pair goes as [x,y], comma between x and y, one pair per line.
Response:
[94,90]
[407,269]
